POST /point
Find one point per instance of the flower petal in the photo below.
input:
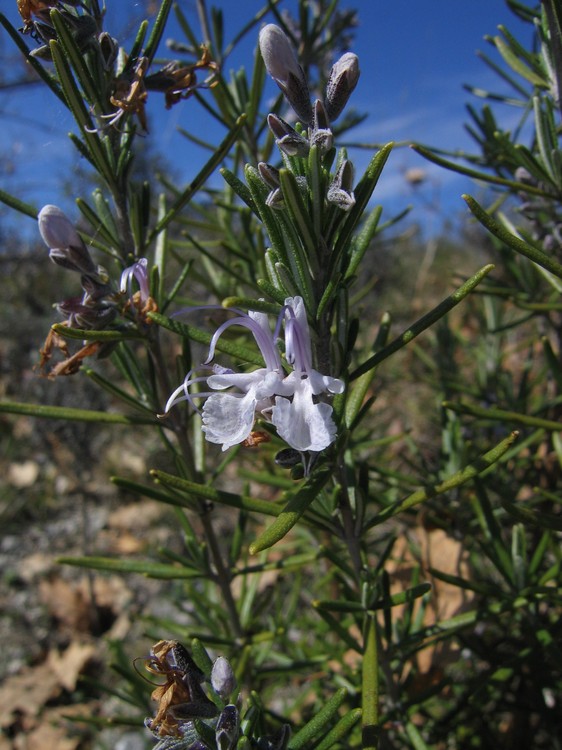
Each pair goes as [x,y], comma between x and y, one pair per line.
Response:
[228,418]
[301,423]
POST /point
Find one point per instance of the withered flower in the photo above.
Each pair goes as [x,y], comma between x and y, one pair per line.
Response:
[180,698]
[39,8]
[179,81]
[129,93]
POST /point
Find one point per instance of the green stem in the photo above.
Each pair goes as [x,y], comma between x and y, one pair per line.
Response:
[222,575]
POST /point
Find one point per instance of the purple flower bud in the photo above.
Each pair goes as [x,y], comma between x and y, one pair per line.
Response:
[222,677]
[269,174]
[228,728]
[66,246]
[85,316]
[287,138]
[282,65]
[321,135]
[343,79]
[340,191]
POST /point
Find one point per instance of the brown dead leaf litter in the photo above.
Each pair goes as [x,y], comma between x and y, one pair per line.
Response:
[56,621]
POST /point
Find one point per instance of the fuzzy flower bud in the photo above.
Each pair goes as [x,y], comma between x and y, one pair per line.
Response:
[287,138]
[269,174]
[222,678]
[227,730]
[66,246]
[322,135]
[343,79]
[282,65]
[340,191]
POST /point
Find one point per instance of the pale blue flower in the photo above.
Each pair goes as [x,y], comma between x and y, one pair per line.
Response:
[288,402]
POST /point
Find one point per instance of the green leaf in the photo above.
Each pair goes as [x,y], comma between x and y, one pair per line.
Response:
[425,322]
[533,517]
[298,211]
[157,29]
[415,737]
[403,597]
[97,153]
[103,227]
[363,193]
[196,334]
[24,208]
[343,633]
[319,722]
[470,471]
[361,243]
[355,395]
[370,688]
[75,56]
[76,415]
[482,176]
[110,386]
[509,55]
[199,180]
[148,569]
[533,253]
[340,733]
[297,505]
[502,415]
[94,335]
[252,304]
[217,496]
[46,77]
[240,189]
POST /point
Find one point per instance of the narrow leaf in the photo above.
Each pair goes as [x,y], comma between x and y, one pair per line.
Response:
[75,415]
[470,471]
[315,725]
[425,322]
[199,180]
[370,688]
[340,733]
[482,176]
[502,415]
[297,505]
[94,335]
[217,496]
[149,569]
[533,253]
[202,337]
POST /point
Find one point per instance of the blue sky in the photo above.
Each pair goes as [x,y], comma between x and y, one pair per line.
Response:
[414,57]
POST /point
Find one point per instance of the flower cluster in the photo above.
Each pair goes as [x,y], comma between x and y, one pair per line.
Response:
[290,402]
[95,308]
[282,64]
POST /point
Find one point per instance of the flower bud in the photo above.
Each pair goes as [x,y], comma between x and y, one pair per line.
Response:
[222,678]
[343,79]
[269,174]
[282,65]
[287,138]
[321,135]
[66,246]
[85,316]
[340,191]
[227,727]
